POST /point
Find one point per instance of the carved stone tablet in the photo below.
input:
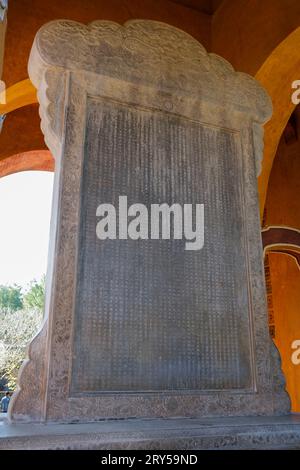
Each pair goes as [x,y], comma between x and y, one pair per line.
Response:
[145,327]
[148,314]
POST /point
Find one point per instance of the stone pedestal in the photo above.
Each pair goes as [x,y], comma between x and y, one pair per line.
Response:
[256,433]
[145,328]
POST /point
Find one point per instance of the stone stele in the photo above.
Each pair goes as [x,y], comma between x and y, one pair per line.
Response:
[143,328]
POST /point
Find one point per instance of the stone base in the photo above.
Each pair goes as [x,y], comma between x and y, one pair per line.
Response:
[158,434]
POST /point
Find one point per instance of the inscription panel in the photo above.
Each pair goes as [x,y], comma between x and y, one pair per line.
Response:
[150,315]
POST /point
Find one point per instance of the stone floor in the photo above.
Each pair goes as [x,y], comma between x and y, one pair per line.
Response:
[159,434]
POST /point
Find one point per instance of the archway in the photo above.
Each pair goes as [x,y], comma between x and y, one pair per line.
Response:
[38,160]
[24,238]
[276,74]
[283,295]
[281,240]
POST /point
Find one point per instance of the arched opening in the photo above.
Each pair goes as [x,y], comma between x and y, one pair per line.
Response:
[283,294]
[281,239]
[35,160]
[24,237]
[277,74]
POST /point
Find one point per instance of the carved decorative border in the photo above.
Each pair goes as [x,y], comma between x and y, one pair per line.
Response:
[154,65]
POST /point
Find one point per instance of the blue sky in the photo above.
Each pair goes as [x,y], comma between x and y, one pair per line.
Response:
[25,209]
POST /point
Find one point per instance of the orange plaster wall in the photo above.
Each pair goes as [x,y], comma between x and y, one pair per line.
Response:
[283,197]
[39,160]
[277,73]
[21,132]
[260,37]
[21,129]
[25,17]
[263,38]
[246,31]
[283,208]
[285,280]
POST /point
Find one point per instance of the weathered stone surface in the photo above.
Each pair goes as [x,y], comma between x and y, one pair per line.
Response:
[150,315]
[145,328]
[158,434]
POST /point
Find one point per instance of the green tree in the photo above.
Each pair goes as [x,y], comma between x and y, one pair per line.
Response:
[35,297]
[16,331]
[11,298]
[17,326]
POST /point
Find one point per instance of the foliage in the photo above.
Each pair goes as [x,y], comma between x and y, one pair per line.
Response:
[11,298]
[16,331]
[35,297]
[20,319]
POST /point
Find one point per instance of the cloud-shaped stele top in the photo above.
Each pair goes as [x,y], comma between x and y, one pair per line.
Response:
[149,53]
